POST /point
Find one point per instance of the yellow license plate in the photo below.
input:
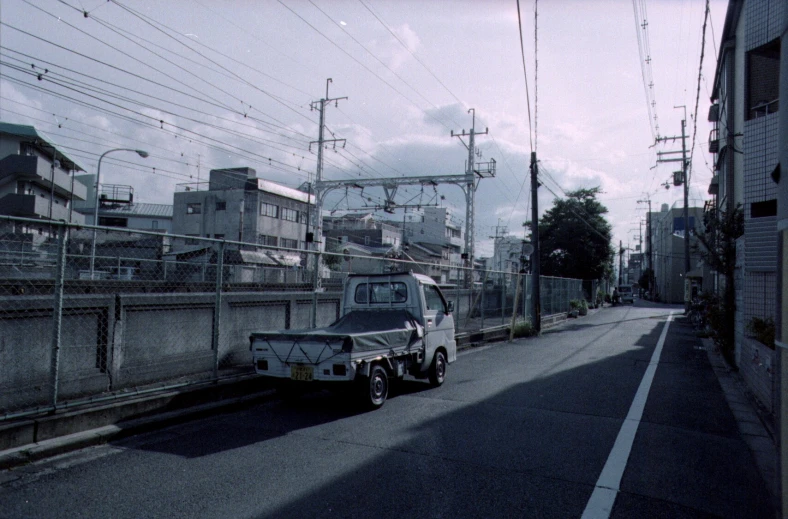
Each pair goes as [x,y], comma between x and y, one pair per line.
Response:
[301,373]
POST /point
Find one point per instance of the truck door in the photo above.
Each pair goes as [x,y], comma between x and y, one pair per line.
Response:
[438,326]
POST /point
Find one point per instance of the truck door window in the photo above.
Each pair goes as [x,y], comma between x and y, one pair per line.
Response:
[434,298]
[381,293]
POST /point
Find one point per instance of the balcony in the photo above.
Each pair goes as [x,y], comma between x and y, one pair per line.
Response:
[35,169]
[31,206]
[714,142]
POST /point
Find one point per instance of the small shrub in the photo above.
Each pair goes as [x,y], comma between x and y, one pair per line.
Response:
[583,307]
[524,329]
[762,330]
[574,304]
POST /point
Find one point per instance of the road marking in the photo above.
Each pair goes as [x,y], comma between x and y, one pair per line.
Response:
[600,504]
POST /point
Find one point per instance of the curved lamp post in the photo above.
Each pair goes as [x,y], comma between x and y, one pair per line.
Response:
[141,153]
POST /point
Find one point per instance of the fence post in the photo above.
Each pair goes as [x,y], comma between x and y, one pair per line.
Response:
[217,310]
[484,287]
[57,313]
[503,298]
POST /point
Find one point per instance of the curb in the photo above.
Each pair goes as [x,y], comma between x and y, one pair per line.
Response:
[25,454]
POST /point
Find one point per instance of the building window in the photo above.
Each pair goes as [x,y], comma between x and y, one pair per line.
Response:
[193,208]
[304,217]
[291,215]
[763,80]
[763,209]
[221,206]
[264,239]
[366,240]
[287,243]
[269,210]
[154,224]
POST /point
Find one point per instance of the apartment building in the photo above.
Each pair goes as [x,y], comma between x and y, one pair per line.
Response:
[745,146]
[36,180]
[668,235]
[238,206]
[362,229]
[439,236]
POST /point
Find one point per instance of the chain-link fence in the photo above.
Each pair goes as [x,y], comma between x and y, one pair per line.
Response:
[91,313]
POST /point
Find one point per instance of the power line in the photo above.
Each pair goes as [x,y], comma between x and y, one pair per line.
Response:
[111,94]
[525,76]
[697,96]
[644,55]
[411,52]
[213,102]
[150,21]
[218,144]
[140,114]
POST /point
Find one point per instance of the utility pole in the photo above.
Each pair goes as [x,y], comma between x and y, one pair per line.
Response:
[498,246]
[536,312]
[677,182]
[620,263]
[317,218]
[470,193]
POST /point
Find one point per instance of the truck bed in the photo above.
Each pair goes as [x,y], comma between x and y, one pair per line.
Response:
[360,331]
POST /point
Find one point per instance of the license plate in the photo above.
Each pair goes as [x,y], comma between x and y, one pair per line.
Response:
[301,373]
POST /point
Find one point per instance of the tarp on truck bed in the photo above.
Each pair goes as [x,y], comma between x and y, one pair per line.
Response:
[360,330]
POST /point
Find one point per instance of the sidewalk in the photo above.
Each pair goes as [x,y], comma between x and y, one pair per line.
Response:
[700,446]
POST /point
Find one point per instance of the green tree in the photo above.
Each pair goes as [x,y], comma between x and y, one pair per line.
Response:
[575,237]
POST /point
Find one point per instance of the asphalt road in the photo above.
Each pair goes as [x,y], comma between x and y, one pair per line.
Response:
[518,430]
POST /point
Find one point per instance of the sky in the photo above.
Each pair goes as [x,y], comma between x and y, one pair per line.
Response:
[203,84]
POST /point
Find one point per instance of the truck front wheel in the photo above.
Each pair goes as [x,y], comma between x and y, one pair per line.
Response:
[377,387]
[438,369]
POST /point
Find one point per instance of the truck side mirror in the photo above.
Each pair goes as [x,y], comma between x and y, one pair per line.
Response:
[450,306]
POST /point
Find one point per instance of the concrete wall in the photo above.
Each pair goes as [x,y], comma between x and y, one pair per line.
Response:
[757,367]
[118,342]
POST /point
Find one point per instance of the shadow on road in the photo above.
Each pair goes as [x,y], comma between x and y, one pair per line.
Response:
[534,448]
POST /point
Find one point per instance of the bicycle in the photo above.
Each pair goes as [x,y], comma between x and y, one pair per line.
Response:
[697,315]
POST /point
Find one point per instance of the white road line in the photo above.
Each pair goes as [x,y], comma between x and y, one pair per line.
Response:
[600,504]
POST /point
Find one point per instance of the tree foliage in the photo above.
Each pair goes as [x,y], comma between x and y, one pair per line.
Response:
[574,237]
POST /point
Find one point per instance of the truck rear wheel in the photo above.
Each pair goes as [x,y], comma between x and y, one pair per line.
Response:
[438,369]
[376,390]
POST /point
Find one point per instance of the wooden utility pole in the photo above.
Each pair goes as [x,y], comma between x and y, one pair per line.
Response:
[536,307]
[677,182]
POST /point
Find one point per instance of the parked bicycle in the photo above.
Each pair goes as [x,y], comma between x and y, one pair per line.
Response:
[697,314]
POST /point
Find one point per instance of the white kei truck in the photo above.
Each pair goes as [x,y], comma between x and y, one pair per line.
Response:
[390,325]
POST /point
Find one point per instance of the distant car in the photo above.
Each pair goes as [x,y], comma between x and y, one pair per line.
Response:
[625,294]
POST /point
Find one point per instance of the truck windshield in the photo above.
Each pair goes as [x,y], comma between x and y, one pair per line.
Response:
[396,292]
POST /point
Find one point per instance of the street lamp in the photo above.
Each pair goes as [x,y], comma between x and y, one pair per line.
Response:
[141,153]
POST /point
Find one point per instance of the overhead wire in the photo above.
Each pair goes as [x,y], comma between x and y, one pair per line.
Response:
[157,25]
[525,77]
[145,116]
[697,95]
[51,72]
[211,101]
